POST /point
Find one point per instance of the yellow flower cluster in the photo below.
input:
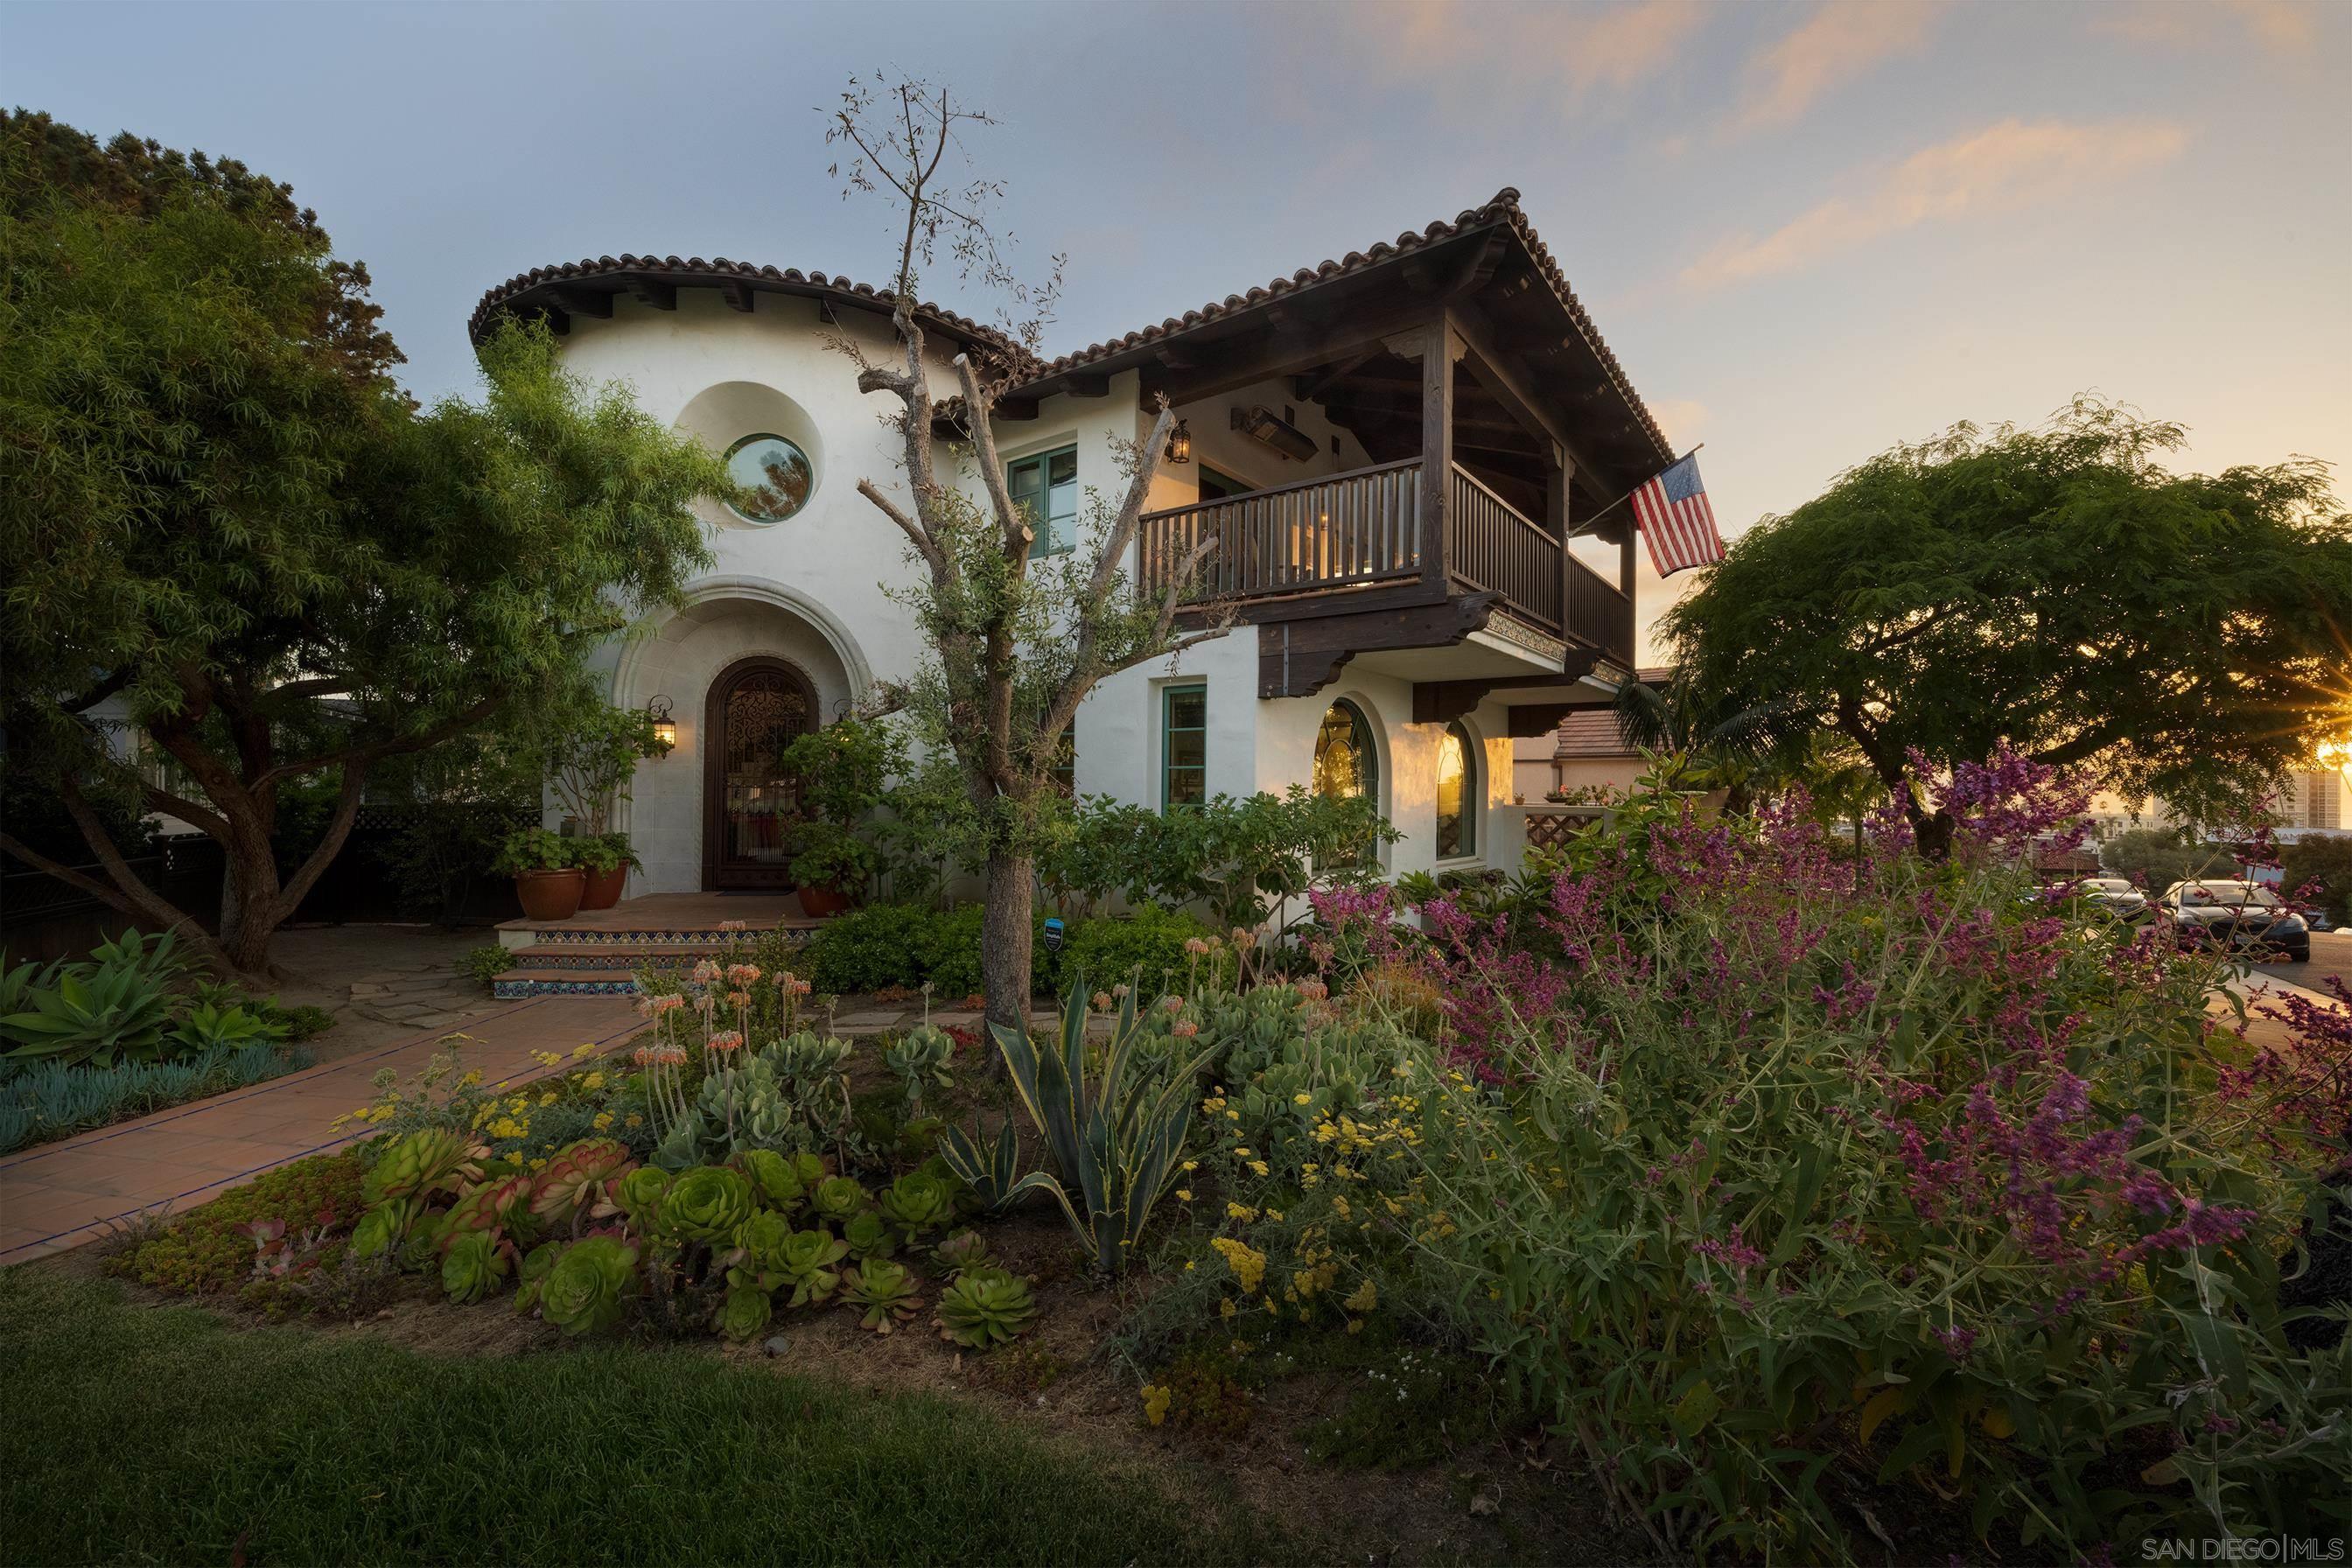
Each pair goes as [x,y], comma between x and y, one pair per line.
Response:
[1247,1263]
[1156,1397]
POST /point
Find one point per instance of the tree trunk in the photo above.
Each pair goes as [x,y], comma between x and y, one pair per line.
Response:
[249,892]
[1006,932]
[1932,833]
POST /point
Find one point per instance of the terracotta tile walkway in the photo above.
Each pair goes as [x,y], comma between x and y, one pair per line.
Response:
[61,1194]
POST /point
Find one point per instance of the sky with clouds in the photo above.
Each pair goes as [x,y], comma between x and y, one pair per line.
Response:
[1809,230]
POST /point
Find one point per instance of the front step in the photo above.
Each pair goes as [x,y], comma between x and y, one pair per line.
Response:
[524,985]
[588,969]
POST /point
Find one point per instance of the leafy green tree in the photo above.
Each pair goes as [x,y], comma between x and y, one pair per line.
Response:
[236,557]
[1013,645]
[2053,589]
[2158,857]
[2325,861]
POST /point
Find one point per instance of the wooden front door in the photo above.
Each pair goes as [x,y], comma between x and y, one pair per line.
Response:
[756,707]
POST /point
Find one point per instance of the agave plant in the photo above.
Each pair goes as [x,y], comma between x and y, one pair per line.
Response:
[92,1017]
[918,1202]
[986,1163]
[984,1307]
[434,1160]
[472,1264]
[869,1235]
[568,1185]
[1114,1139]
[807,1260]
[208,1027]
[964,1249]
[589,1287]
[749,1304]
[884,1292]
[839,1199]
[706,1204]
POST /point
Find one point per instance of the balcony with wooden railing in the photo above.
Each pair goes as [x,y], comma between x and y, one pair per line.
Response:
[1364,529]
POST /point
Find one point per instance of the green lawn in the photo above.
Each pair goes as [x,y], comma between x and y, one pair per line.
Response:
[161,1434]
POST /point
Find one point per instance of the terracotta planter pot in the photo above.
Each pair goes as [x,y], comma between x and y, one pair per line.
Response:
[550,895]
[819,902]
[604,888]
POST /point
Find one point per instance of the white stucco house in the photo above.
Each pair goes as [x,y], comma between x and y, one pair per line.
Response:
[1392,449]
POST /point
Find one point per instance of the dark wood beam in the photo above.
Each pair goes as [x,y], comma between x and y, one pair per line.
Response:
[1016,408]
[1082,386]
[584,302]
[1178,357]
[655,292]
[1298,658]
[558,321]
[738,293]
[1307,388]
[1229,364]
[1436,442]
[1497,368]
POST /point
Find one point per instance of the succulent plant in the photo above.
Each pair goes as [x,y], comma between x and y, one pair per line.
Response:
[636,1198]
[964,1249]
[839,1199]
[882,1291]
[706,1204]
[870,1236]
[922,1057]
[749,1304]
[532,1276]
[416,1163]
[472,1264]
[987,1164]
[984,1307]
[590,1285]
[760,1238]
[421,1248]
[572,1177]
[805,1260]
[918,1202]
[383,1228]
[775,1178]
[500,1204]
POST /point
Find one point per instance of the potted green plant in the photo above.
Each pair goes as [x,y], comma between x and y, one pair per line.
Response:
[589,755]
[607,861]
[841,770]
[832,866]
[548,876]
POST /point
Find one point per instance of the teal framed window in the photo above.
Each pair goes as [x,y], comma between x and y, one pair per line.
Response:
[1184,745]
[1046,487]
[1457,794]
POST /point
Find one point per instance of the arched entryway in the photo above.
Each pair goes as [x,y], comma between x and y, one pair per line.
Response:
[757,707]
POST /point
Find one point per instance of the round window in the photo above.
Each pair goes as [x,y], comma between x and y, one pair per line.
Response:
[778,475]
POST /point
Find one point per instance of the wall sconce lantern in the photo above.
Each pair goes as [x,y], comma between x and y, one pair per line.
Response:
[1180,443]
[665,727]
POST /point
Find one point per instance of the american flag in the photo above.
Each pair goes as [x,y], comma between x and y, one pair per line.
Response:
[1676,519]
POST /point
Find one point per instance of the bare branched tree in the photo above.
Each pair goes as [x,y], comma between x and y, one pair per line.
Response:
[1015,642]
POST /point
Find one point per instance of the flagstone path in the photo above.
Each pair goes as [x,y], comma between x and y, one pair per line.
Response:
[61,1194]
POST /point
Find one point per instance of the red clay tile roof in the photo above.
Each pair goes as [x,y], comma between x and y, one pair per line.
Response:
[694,272]
[1504,209]
[1591,733]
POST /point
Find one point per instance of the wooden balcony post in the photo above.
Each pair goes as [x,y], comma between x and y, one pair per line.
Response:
[1556,519]
[1438,352]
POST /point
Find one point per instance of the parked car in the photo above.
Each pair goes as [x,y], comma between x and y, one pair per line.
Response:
[2246,916]
[2116,895]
